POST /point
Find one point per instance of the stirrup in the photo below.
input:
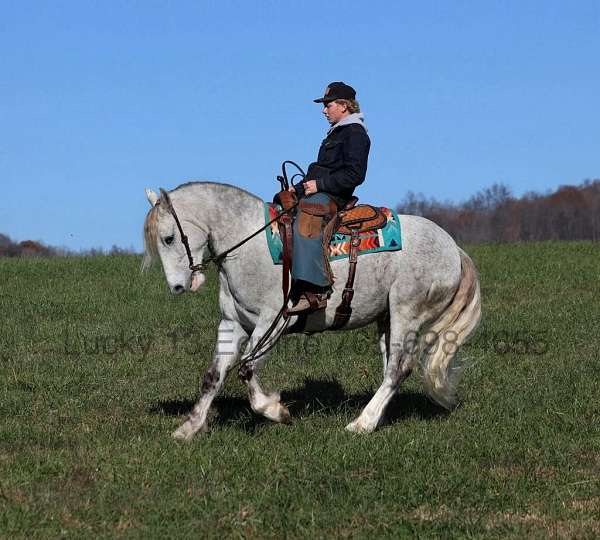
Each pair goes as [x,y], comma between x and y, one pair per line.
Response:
[309,302]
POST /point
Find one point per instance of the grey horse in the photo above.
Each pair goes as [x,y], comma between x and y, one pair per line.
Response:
[425,298]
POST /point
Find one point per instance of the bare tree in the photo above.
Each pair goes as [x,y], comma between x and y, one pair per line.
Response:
[494,214]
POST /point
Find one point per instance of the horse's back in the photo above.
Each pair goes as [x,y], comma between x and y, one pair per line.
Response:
[428,249]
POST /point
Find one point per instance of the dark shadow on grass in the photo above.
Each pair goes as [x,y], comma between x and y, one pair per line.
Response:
[315,397]
[414,404]
[327,397]
[172,407]
[225,410]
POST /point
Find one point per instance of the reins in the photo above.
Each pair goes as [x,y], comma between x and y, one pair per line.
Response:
[257,350]
[213,258]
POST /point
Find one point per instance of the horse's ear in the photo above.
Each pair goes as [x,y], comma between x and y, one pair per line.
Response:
[164,198]
[152,197]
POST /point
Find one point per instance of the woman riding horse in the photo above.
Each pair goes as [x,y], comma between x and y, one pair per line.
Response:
[341,166]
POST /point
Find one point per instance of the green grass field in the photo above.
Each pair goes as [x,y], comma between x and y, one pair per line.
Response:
[98,364]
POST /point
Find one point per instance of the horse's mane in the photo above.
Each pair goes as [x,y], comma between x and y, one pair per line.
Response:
[151,221]
[150,237]
[218,185]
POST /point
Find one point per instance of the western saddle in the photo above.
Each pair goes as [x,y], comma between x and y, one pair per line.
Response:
[352,220]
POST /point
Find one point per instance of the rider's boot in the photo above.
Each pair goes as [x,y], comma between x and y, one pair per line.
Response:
[310,301]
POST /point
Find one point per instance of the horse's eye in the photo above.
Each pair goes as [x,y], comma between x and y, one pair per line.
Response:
[169,240]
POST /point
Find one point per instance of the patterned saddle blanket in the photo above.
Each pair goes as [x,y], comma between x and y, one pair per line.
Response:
[388,238]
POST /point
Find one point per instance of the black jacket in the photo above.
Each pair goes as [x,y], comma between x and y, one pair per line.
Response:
[342,162]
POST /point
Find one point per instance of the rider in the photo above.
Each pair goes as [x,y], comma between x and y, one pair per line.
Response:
[330,181]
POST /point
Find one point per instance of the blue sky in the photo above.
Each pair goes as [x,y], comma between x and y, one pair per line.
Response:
[101,99]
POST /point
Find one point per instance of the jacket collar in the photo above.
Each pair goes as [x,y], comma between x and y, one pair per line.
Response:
[354,118]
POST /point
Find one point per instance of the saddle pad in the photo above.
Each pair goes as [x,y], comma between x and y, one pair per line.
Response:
[388,238]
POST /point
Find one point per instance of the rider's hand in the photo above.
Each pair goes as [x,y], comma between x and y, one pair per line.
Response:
[310,187]
[291,188]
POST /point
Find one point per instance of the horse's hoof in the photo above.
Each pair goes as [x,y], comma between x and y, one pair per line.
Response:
[284,416]
[359,427]
[277,413]
[181,434]
[186,432]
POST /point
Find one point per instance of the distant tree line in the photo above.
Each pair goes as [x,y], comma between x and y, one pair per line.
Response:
[491,215]
[495,215]
[32,248]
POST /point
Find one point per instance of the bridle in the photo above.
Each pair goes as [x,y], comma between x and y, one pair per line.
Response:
[214,258]
[184,239]
[265,343]
[285,184]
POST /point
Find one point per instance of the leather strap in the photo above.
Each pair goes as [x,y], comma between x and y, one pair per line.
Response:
[287,199]
[312,300]
[184,239]
[285,229]
[316,300]
[344,310]
[216,258]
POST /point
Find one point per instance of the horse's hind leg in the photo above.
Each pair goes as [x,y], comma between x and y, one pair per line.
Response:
[400,361]
[383,332]
[269,405]
[227,350]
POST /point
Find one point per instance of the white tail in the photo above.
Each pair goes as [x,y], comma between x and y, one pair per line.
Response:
[451,330]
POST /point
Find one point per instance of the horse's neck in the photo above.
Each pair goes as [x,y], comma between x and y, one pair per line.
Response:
[229,214]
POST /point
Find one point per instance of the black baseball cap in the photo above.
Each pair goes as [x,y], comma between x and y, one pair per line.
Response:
[337,90]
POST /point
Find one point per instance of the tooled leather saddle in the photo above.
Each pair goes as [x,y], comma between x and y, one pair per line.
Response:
[351,220]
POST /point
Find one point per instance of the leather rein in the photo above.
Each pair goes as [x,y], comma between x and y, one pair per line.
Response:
[266,342]
[214,258]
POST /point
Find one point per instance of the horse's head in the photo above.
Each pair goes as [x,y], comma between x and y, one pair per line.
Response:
[162,239]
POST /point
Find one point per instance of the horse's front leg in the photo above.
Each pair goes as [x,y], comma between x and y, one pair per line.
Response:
[267,404]
[231,337]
